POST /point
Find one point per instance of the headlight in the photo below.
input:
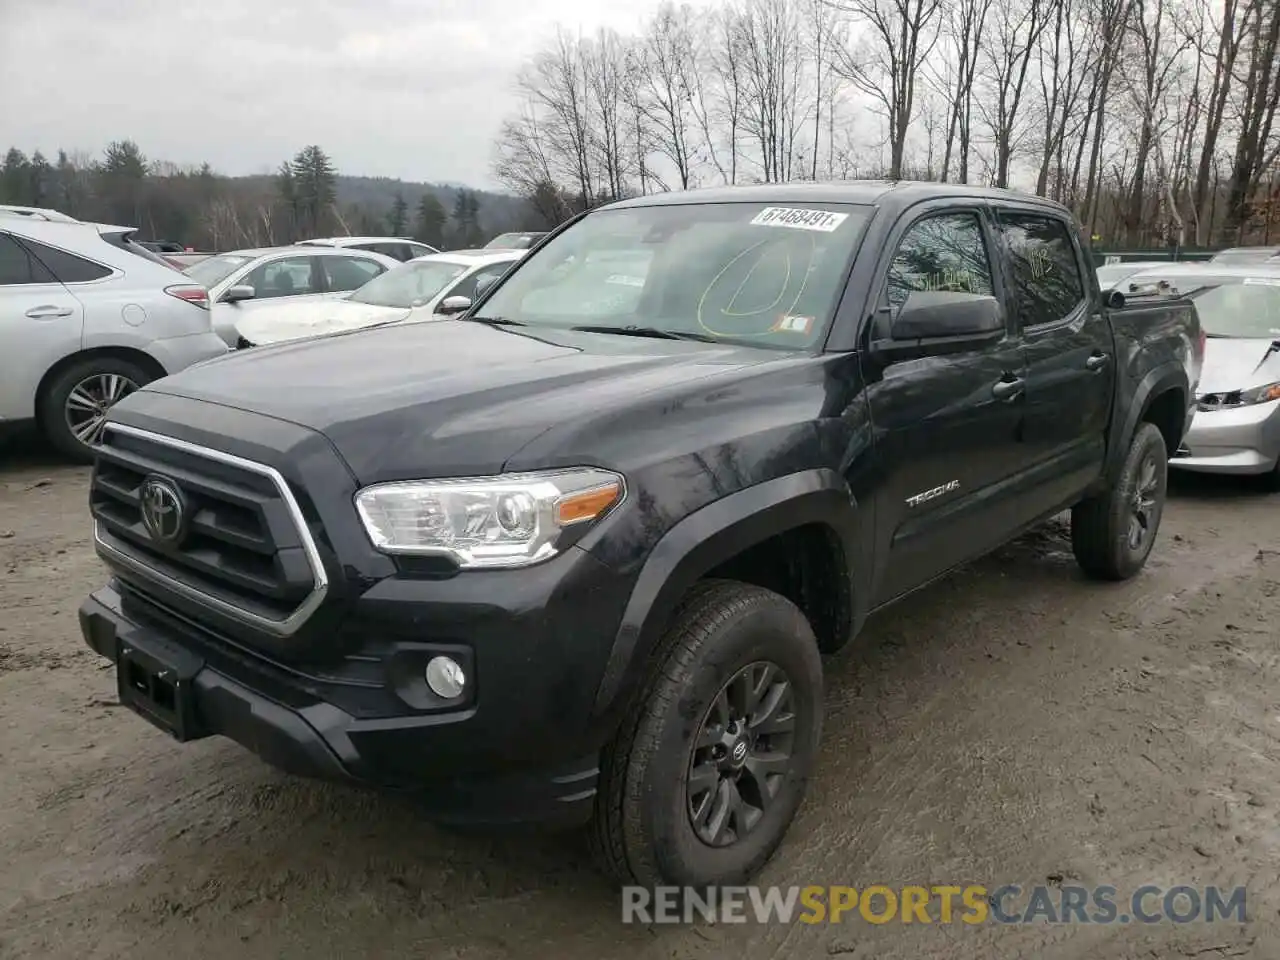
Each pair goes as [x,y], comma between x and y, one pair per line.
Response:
[1239,398]
[1261,394]
[512,520]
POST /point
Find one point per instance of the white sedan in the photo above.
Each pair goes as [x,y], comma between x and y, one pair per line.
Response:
[243,282]
[439,285]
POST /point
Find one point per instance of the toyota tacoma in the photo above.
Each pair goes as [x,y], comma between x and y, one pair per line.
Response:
[576,553]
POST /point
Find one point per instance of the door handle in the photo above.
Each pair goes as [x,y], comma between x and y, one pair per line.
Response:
[48,311]
[1008,389]
[1096,362]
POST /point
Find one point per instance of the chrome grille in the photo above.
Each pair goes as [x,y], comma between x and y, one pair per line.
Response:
[247,551]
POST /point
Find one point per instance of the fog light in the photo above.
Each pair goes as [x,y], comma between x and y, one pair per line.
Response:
[445,677]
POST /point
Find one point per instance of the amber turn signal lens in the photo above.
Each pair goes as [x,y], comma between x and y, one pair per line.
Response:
[587,505]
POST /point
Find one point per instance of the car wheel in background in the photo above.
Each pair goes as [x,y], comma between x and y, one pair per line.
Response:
[73,408]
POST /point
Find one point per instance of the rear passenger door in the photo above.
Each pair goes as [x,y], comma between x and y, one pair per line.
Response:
[40,323]
[1069,349]
[947,426]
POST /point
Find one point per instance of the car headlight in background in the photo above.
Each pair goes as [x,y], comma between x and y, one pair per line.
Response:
[512,520]
[1239,398]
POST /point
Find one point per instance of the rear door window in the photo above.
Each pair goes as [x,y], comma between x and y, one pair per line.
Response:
[17,266]
[1046,271]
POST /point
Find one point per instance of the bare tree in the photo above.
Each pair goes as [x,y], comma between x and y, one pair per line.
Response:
[1259,98]
[606,69]
[902,35]
[1064,48]
[665,60]
[1110,18]
[1151,65]
[1016,28]
[769,42]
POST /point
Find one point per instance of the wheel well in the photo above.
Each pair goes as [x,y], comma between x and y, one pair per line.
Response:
[807,566]
[1168,412]
[144,360]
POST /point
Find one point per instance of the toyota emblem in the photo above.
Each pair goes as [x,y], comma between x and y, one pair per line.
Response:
[739,751]
[164,512]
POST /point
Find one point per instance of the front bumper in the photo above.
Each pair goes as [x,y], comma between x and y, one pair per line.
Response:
[504,754]
[1239,440]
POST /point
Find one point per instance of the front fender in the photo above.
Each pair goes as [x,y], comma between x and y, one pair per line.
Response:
[707,538]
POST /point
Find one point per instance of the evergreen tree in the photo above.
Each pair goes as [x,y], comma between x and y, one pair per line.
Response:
[431,221]
[15,178]
[399,215]
[42,181]
[314,183]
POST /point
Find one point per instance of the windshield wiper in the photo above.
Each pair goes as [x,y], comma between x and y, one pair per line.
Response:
[654,332]
[498,321]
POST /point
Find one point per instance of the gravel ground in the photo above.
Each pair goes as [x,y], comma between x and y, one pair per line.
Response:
[1012,724]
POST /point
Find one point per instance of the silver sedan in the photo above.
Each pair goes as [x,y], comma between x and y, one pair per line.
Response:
[1236,428]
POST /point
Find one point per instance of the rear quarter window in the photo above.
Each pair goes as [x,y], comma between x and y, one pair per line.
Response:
[66,267]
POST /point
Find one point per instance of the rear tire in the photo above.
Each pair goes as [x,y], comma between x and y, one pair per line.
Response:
[1112,533]
[75,402]
[686,796]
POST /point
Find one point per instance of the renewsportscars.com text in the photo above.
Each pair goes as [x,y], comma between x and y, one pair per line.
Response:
[943,904]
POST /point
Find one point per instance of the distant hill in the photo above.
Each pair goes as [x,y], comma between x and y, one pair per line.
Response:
[499,212]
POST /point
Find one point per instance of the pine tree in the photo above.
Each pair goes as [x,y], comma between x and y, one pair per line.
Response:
[15,178]
[399,215]
[41,190]
[314,182]
[431,221]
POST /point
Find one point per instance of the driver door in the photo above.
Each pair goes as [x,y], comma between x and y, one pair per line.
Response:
[948,427]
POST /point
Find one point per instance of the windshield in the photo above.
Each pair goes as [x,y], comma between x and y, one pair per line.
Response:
[512,241]
[409,285]
[747,273]
[1248,309]
[213,270]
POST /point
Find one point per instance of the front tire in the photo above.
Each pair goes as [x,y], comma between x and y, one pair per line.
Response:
[1112,533]
[701,784]
[74,405]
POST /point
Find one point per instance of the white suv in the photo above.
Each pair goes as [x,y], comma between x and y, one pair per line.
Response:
[85,321]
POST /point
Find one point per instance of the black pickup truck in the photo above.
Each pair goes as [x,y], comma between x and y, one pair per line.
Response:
[576,552]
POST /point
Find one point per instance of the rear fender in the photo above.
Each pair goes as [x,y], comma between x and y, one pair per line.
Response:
[1168,376]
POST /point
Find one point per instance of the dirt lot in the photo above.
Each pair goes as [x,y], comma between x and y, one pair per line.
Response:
[1012,724]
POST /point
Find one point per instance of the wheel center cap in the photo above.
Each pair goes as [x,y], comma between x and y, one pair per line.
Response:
[738,754]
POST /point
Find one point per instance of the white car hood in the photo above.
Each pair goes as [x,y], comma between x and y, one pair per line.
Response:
[301,320]
[1238,364]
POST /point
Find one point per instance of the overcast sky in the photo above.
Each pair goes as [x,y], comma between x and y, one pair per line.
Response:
[400,88]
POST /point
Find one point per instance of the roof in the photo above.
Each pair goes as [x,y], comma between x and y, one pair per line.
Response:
[865,192]
[36,213]
[336,240]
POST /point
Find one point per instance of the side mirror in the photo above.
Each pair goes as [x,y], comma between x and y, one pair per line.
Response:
[240,292]
[937,322]
[451,305]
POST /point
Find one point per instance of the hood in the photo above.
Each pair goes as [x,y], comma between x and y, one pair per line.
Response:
[448,397]
[1232,363]
[295,321]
